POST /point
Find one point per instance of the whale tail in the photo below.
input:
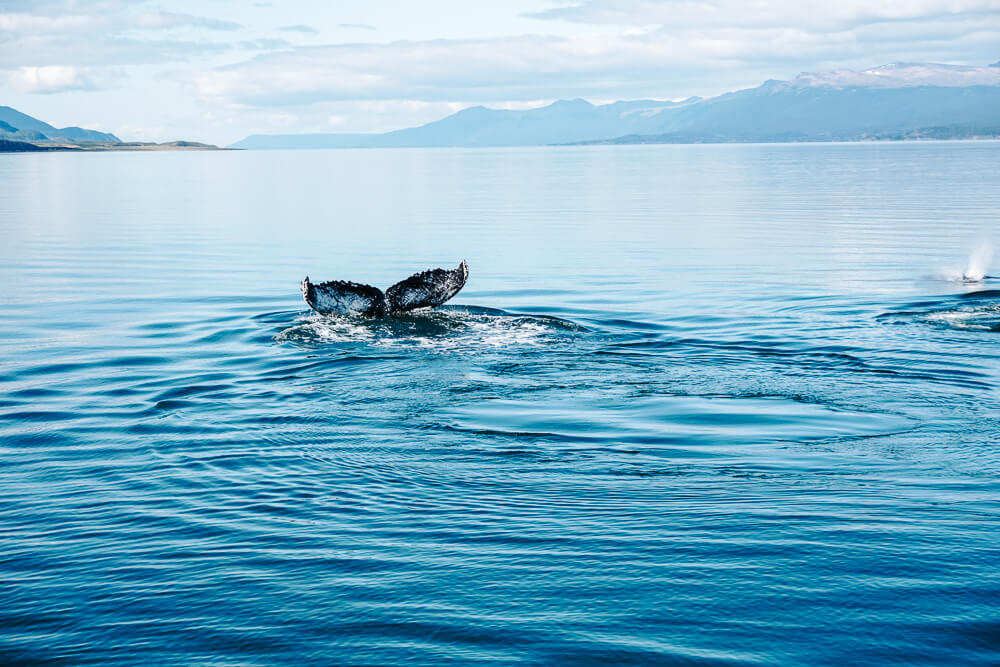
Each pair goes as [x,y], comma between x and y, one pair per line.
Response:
[344,297]
[426,289]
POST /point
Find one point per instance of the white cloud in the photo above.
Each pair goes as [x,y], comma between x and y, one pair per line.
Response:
[439,70]
[94,33]
[168,20]
[58,79]
[263,44]
[13,23]
[809,16]
[653,62]
[132,132]
[60,7]
[299,27]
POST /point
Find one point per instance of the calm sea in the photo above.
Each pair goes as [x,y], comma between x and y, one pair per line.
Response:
[701,405]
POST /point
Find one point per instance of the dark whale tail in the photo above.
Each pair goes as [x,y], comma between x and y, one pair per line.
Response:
[421,290]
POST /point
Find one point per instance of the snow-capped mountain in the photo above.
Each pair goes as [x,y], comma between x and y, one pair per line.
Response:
[896,101]
[903,75]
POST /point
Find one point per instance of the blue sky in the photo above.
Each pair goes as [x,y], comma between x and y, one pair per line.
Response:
[217,70]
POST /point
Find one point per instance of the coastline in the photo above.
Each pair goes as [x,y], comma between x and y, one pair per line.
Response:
[11,146]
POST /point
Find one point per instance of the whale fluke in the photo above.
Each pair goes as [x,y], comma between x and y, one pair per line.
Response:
[344,297]
[426,289]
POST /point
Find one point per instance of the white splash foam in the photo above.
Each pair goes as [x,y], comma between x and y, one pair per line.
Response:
[979,262]
[981,318]
[478,332]
[317,328]
[454,331]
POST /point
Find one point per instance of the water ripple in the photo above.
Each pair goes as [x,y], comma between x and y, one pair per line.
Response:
[700,405]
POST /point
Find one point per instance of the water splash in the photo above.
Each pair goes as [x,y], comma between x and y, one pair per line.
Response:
[979,262]
[445,329]
[976,267]
[981,317]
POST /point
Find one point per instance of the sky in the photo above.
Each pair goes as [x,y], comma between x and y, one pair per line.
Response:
[219,70]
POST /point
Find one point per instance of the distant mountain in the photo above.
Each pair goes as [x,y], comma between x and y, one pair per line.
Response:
[564,121]
[78,134]
[777,111]
[17,125]
[897,101]
[20,133]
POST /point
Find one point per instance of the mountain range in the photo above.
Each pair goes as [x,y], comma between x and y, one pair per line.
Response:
[17,126]
[21,133]
[896,101]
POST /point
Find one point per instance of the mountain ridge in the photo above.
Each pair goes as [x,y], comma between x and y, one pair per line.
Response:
[21,133]
[20,122]
[893,101]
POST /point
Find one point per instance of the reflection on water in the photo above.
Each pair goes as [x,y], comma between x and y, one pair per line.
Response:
[683,421]
[696,404]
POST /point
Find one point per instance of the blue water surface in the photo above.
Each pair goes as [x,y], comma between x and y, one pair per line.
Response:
[701,405]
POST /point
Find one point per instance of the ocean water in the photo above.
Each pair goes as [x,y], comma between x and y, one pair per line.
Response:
[701,405]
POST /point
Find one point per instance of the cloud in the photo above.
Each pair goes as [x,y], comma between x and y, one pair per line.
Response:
[263,44]
[809,16]
[357,26]
[57,7]
[429,70]
[13,23]
[169,20]
[58,79]
[96,33]
[657,61]
[299,27]
[357,116]
[73,16]
[526,67]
